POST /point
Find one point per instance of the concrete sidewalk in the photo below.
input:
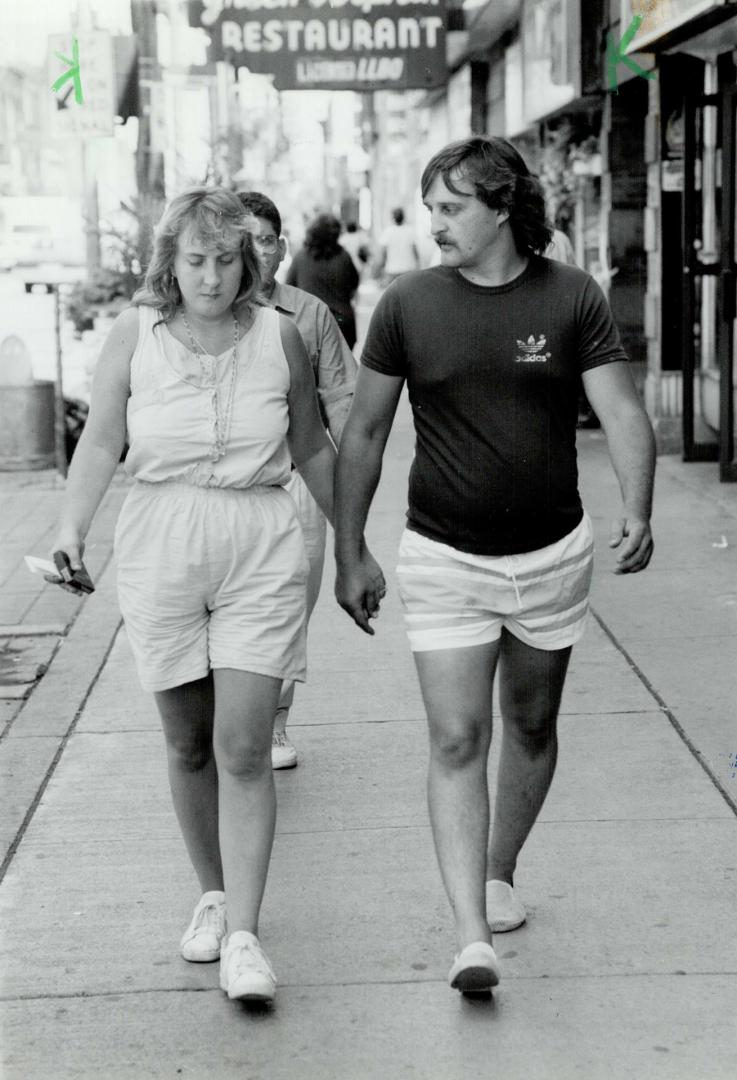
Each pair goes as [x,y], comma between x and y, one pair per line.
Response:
[45,672]
[628,964]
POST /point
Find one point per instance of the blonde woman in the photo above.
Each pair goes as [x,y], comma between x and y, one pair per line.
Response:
[211,562]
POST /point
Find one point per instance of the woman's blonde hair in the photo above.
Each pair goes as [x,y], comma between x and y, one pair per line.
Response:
[216,217]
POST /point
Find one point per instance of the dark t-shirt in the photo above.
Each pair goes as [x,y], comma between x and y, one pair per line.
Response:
[333,280]
[492,375]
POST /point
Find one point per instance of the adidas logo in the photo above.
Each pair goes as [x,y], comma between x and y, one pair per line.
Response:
[532,350]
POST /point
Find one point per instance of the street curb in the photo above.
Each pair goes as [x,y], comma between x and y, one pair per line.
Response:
[50,714]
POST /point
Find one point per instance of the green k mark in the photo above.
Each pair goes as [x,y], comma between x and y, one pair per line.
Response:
[615,55]
[71,73]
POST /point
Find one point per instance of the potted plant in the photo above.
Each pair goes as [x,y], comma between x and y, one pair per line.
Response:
[106,291]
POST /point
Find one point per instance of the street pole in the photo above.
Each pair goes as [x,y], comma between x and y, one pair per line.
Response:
[90,201]
[91,209]
[60,421]
[149,162]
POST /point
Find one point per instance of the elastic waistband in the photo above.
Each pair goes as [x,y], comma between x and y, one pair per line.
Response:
[184,485]
[162,485]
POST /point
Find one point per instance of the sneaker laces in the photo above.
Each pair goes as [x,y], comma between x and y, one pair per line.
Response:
[210,918]
[279,738]
[250,956]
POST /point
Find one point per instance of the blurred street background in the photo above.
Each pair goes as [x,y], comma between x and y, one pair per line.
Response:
[626,109]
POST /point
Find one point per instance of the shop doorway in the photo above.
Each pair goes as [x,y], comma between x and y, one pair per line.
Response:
[708,243]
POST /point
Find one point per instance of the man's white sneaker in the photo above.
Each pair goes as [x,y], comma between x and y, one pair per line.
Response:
[283,753]
[503,910]
[245,971]
[475,969]
[201,941]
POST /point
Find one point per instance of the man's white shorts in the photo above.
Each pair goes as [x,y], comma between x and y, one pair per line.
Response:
[453,599]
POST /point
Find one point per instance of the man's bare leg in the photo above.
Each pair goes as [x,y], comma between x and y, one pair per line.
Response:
[456,688]
[530,688]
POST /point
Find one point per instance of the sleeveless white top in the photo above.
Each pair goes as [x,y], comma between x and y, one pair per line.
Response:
[171,419]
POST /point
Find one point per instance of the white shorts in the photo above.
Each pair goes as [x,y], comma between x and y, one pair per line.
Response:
[211,578]
[453,600]
[314,530]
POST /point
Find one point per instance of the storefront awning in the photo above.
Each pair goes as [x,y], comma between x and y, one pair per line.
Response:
[660,22]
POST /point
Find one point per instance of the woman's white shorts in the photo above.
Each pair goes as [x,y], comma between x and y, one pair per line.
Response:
[453,599]
[211,578]
[314,530]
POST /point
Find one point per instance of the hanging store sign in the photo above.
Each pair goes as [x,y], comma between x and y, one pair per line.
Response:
[329,44]
[550,74]
[82,80]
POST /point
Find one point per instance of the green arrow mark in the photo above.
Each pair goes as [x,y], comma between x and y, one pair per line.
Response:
[615,55]
[71,73]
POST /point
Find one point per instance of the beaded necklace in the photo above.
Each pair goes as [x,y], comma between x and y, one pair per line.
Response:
[222,412]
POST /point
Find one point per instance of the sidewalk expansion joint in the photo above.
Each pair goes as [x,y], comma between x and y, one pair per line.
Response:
[665,709]
[43,630]
[86,995]
[26,697]
[57,757]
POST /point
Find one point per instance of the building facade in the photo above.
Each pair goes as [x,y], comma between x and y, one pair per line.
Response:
[634,141]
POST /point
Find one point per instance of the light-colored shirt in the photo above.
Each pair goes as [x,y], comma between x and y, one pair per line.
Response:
[332,361]
[171,410]
[560,248]
[401,253]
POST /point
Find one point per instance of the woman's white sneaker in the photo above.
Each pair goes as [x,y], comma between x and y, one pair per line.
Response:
[283,752]
[201,941]
[245,971]
[504,909]
[475,970]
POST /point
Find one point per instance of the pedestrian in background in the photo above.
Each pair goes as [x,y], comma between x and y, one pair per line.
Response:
[334,370]
[356,243]
[325,269]
[397,249]
[496,560]
[218,397]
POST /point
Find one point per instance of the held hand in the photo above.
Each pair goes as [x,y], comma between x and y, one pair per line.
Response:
[636,542]
[359,589]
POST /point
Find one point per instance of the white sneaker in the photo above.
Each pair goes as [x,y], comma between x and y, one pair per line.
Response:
[245,971]
[475,970]
[283,753]
[201,941]
[504,911]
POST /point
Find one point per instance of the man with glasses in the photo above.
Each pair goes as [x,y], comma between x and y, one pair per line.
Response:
[335,376]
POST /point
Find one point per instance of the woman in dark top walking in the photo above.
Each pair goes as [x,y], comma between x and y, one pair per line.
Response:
[325,269]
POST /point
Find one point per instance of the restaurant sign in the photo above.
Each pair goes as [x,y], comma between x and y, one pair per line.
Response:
[329,44]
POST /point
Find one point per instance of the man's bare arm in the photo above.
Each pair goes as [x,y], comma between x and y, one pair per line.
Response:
[631,443]
[357,585]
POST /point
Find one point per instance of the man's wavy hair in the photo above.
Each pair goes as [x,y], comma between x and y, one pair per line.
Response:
[215,217]
[260,205]
[501,181]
